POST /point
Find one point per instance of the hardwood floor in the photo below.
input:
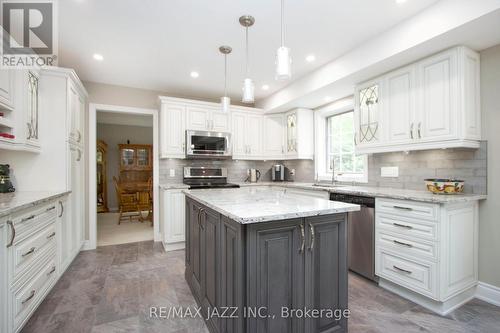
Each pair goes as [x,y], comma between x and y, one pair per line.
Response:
[112,289]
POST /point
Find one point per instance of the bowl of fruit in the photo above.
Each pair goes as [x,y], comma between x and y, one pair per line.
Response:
[444,186]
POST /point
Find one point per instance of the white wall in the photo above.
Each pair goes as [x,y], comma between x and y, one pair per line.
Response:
[489,222]
[113,135]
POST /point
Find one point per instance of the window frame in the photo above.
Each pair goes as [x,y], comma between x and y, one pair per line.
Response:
[321,143]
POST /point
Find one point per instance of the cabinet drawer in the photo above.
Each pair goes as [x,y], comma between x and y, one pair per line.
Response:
[407,227]
[406,208]
[416,275]
[419,249]
[28,251]
[28,222]
[31,294]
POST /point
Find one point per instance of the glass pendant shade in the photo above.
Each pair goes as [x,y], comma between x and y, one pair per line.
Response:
[248,91]
[225,103]
[283,64]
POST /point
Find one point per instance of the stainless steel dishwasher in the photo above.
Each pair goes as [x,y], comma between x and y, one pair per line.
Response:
[361,234]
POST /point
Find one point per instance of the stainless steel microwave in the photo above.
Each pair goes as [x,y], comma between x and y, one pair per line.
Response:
[201,144]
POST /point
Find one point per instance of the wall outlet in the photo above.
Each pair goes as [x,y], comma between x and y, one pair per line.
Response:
[389,172]
[172,172]
[292,172]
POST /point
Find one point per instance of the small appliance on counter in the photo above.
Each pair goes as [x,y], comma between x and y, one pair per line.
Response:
[5,183]
[253,175]
[278,173]
[206,177]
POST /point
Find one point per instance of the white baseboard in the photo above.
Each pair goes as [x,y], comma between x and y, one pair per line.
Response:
[86,246]
[488,293]
[173,246]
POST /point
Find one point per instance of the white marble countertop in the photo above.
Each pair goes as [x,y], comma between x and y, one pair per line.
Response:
[381,192]
[174,186]
[261,204]
[16,201]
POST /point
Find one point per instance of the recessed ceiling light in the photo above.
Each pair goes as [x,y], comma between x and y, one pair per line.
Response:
[399,2]
[265,87]
[98,57]
[328,98]
[310,58]
[194,74]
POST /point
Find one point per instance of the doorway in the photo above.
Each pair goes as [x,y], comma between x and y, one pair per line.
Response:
[123,175]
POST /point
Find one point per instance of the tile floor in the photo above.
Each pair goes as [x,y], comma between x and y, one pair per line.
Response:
[111,289]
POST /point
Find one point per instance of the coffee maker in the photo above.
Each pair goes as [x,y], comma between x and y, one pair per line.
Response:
[5,183]
[278,173]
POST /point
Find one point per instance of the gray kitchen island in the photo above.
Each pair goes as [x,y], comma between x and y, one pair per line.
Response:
[264,260]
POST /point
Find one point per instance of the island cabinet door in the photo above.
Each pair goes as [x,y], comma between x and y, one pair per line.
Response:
[232,280]
[275,276]
[194,247]
[326,272]
[210,265]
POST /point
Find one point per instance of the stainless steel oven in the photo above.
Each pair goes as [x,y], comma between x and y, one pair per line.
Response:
[201,144]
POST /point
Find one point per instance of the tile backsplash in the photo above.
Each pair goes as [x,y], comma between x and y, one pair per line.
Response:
[469,165]
[237,170]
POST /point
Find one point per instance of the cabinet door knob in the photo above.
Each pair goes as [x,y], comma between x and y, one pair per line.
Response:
[31,251]
[28,218]
[62,208]
[402,243]
[51,235]
[411,131]
[419,130]
[401,269]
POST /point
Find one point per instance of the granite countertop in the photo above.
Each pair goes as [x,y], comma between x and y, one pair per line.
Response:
[380,192]
[13,202]
[174,186]
[257,204]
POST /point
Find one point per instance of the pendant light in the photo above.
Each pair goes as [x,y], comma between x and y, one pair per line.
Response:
[248,86]
[283,58]
[225,101]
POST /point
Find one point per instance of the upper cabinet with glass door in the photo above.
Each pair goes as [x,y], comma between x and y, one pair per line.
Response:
[33,109]
[430,104]
[299,141]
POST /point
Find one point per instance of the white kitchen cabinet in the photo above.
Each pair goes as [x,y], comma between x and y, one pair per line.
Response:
[400,105]
[76,199]
[30,252]
[172,129]
[76,108]
[274,136]
[66,230]
[427,252]
[433,103]
[4,239]
[247,136]
[299,128]
[172,219]
[204,118]
[438,97]
[6,89]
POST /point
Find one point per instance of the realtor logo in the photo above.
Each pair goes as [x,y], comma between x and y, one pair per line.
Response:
[28,33]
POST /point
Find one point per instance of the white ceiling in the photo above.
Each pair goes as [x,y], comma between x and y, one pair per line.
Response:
[154,44]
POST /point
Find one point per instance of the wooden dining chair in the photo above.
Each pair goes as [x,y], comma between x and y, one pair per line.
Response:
[127,202]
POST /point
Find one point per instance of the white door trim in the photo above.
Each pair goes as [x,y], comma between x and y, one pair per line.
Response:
[92,195]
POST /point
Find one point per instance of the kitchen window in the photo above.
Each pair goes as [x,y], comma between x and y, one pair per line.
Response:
[340,156]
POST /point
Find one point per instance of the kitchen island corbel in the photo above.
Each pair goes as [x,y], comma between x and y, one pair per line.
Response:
[266,261]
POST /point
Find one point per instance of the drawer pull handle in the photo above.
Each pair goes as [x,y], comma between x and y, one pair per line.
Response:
[51,235]
[401,270]
[402,226]
[403,208]
[13,235]
[403,244]
[32,294]
[52,270]
[50,208]
[31,251]
[28,218]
